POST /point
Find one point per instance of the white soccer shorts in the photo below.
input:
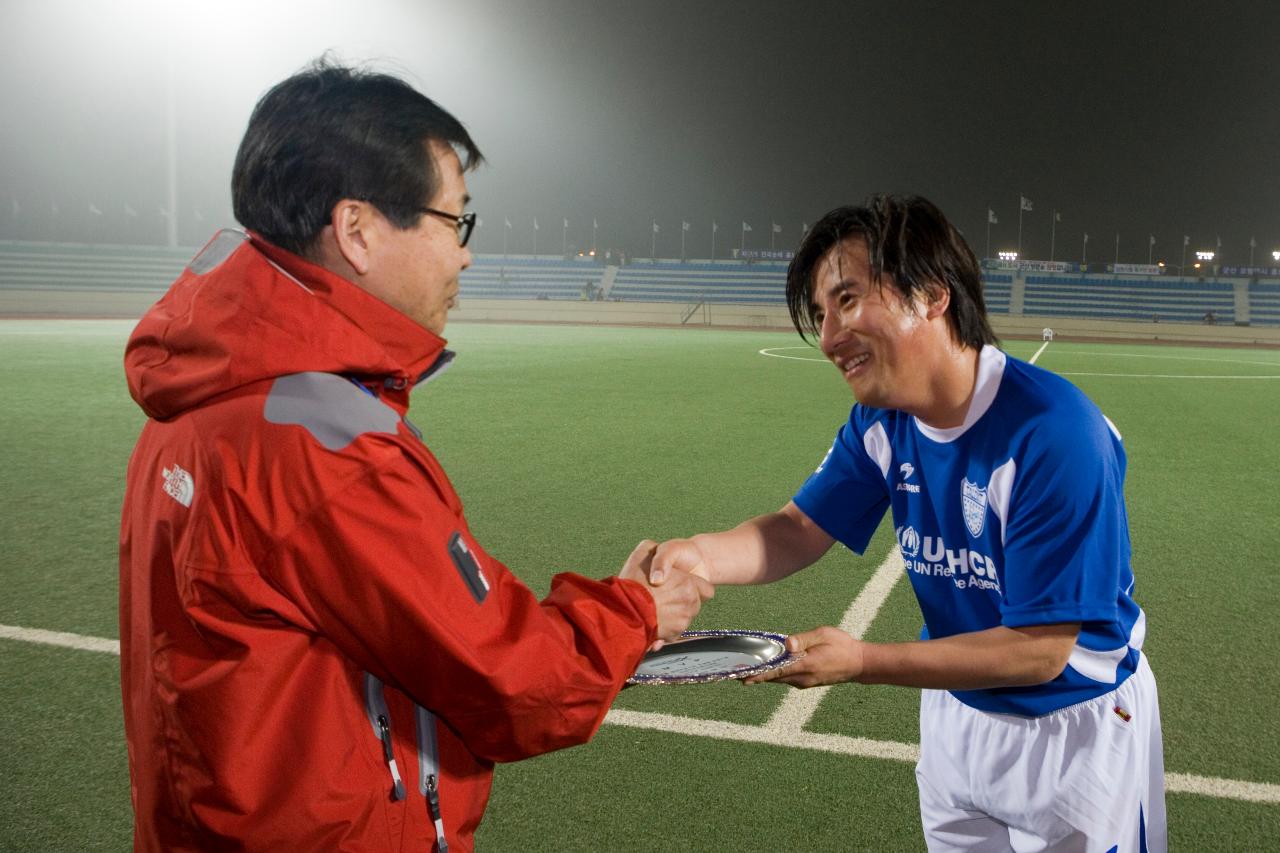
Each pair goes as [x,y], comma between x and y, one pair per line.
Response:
[1089,777]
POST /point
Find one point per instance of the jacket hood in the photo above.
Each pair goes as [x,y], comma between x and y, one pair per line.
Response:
[244,311]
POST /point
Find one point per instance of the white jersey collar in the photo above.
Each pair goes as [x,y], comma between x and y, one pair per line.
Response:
[990,371]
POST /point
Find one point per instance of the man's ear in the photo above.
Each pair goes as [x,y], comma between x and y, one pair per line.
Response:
[937,301]
[354,223]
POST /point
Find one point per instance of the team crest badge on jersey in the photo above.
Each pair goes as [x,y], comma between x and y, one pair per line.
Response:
[973,501]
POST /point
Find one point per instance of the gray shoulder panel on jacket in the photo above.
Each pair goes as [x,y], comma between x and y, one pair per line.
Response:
[334,410]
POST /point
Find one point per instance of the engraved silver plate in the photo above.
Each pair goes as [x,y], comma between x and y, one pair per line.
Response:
[704,656]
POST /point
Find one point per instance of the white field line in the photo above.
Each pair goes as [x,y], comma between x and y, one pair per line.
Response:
[60,638]
[1180,783]
[798,706]
[1037,355]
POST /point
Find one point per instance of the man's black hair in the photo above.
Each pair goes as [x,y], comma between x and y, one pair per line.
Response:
[330,132]
[910,241]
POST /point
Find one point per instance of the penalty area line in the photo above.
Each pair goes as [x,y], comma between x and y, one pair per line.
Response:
[1178,783]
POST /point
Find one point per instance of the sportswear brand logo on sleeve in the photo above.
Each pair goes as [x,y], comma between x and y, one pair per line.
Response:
[179,485]
[973,501]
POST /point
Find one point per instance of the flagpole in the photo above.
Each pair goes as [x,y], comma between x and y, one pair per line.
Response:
[1053,233]
[1084,252]
[988,232]
[714,228]
[653,247]
[1182,267]
[1117,247]
[564,239]
[773,236]
[1151,247]
[1020,207]
[506,228]
[681,241]
[594,225]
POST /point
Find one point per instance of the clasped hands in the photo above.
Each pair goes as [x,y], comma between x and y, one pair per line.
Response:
[679,579]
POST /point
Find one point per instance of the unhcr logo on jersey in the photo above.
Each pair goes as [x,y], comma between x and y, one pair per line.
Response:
[930,556]
[973,501]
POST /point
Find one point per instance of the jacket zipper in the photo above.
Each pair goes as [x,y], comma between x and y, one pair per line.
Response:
[429,770]
[380,719]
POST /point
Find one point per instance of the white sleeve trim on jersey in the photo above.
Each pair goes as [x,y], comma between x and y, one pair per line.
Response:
[1000,493]
[876,442]
[1101,666]
[1114,431]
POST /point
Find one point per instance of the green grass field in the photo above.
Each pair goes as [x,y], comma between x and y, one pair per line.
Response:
[570,444]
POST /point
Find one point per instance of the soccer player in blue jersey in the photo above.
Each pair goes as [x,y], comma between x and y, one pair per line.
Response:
[1039,721]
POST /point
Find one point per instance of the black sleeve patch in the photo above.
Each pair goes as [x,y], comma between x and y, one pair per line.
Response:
[468,568]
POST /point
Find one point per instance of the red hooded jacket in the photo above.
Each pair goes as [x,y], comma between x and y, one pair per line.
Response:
[315,652]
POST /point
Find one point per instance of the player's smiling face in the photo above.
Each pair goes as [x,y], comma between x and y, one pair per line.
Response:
[868,331]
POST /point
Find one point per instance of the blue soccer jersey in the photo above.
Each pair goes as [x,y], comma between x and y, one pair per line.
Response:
[1014,518]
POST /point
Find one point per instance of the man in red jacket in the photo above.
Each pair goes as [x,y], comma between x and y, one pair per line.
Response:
[316,654]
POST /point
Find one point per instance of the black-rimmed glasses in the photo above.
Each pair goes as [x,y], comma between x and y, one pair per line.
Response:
[465,223]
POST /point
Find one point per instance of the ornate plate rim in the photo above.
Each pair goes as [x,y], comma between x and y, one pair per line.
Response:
[778,661]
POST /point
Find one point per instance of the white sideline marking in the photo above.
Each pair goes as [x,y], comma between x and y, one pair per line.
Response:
[1037,355]
[1178,783]
[60,638]
[798,706]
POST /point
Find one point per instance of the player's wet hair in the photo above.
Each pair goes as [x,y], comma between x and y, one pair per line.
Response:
[330,132]
[912,245]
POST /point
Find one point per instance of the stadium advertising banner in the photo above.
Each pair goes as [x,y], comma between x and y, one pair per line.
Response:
[763,255]
[1261,272]
[1135,269]
[1047,266]
[1031,266]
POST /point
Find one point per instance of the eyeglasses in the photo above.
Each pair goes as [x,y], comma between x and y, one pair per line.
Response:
[465,223]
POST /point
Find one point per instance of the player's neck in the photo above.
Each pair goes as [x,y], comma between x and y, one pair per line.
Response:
[950,389]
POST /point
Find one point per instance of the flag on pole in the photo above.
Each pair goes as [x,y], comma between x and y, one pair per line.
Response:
[1026,202]
[1152,242]
[93,208]
[746,227]
[506,222]
[777,229]
[991,217]
[804,227]
[714,226]
[1253,242]
[566,223]
[655,228]
[684,226]
[1186,240]
[1086,237]
[1057,217]
[535,223]
[1219,242]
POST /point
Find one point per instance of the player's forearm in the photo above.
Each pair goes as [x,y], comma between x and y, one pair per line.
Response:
[997,657]
[763,549]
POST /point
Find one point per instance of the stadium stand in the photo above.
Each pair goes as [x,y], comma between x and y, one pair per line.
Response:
[1114,298]
[1264,303]
[996,291]
[28,268]
[529,277]
[662,281]
[78,267]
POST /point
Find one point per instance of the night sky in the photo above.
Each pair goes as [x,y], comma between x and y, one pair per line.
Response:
[1143,119]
